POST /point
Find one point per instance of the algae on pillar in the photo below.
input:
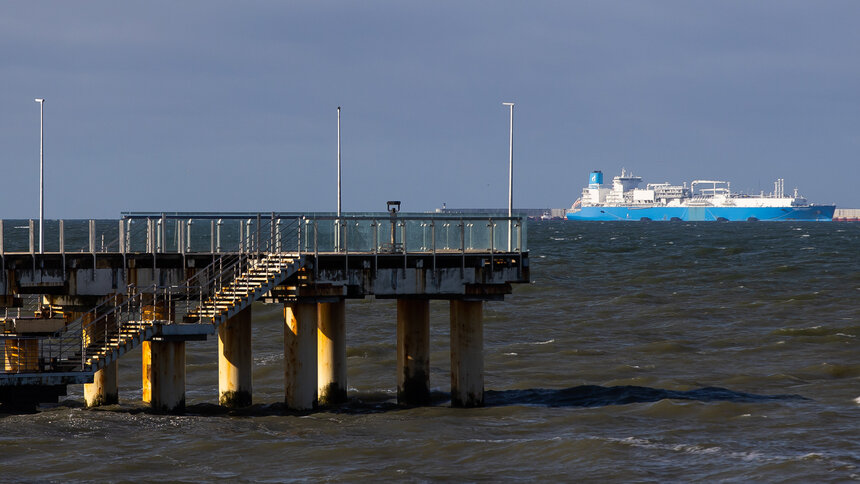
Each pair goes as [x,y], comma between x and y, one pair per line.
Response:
[413,351]
[331,352]
[467,353]
[300,355]
[235,362]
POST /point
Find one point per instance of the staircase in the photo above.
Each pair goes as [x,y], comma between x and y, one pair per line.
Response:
[260,278]
[214,294]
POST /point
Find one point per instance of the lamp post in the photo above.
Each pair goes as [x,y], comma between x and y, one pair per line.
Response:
[510,176]
[337,224]
[41,172]
[338,162]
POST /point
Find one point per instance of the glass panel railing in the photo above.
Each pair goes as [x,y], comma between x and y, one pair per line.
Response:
[264,232]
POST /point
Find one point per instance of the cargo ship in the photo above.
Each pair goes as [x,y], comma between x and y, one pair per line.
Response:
[702,200]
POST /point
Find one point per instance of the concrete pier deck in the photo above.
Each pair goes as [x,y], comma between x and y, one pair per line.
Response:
[103,288]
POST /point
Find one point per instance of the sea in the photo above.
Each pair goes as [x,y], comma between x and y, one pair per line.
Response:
[638,352]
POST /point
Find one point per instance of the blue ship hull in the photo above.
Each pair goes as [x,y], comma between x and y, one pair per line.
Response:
[695,214]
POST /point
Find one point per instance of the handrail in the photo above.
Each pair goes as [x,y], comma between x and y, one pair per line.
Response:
[99,331]
[257,251]
[216,233]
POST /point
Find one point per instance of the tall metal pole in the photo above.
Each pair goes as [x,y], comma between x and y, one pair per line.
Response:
[338,161]
[337,222]
[510,177]
[41,173]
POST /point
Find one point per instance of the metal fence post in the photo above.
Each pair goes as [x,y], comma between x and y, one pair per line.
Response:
[492,241]
[299,236]
[433,242]
[121,237]
[92,236]
[32,250]
[163,241]
[128,225]
[218,235]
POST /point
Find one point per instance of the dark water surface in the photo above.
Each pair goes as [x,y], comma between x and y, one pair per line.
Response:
[641,351]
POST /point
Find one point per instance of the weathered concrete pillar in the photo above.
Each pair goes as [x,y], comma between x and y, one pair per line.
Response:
[146,371]
[331,352]
[467,353]
[164,375]
[163,368]
[235,362]
[104,389]
[300,355]
[413,351]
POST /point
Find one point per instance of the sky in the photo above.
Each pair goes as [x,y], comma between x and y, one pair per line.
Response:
[232,106]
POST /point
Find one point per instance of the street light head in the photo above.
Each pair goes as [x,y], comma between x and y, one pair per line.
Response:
[39,100]
[507,104]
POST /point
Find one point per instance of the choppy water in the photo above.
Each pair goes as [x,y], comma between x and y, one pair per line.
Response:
[642,351]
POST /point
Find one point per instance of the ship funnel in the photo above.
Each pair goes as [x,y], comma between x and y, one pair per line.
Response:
[595,179]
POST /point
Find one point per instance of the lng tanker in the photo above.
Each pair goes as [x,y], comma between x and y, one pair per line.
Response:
[701,200]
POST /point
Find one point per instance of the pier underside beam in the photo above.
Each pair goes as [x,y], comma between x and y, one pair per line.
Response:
[300,355]
[235,361]
[413,351]
[467,353]
[331,352]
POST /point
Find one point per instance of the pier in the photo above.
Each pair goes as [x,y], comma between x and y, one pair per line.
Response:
[100,289]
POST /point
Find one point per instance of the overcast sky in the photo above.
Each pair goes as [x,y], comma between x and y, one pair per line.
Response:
[217,106]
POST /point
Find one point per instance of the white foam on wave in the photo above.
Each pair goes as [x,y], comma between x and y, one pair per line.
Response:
[857,400]
[543,342]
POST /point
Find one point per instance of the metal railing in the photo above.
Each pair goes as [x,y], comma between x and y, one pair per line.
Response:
[103,333]
[91,340]
[189,233]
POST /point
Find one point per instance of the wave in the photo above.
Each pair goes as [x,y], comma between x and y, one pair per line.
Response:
[598,396]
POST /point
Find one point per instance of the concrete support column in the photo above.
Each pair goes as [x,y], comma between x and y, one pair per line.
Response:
[413,351]
[300,355]
[163,369]
[164,375]
[146,371]
[235,361]
[331,352]
[104,389]
[467,353]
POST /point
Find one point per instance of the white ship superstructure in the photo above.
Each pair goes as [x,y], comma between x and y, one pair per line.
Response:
[625,198]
